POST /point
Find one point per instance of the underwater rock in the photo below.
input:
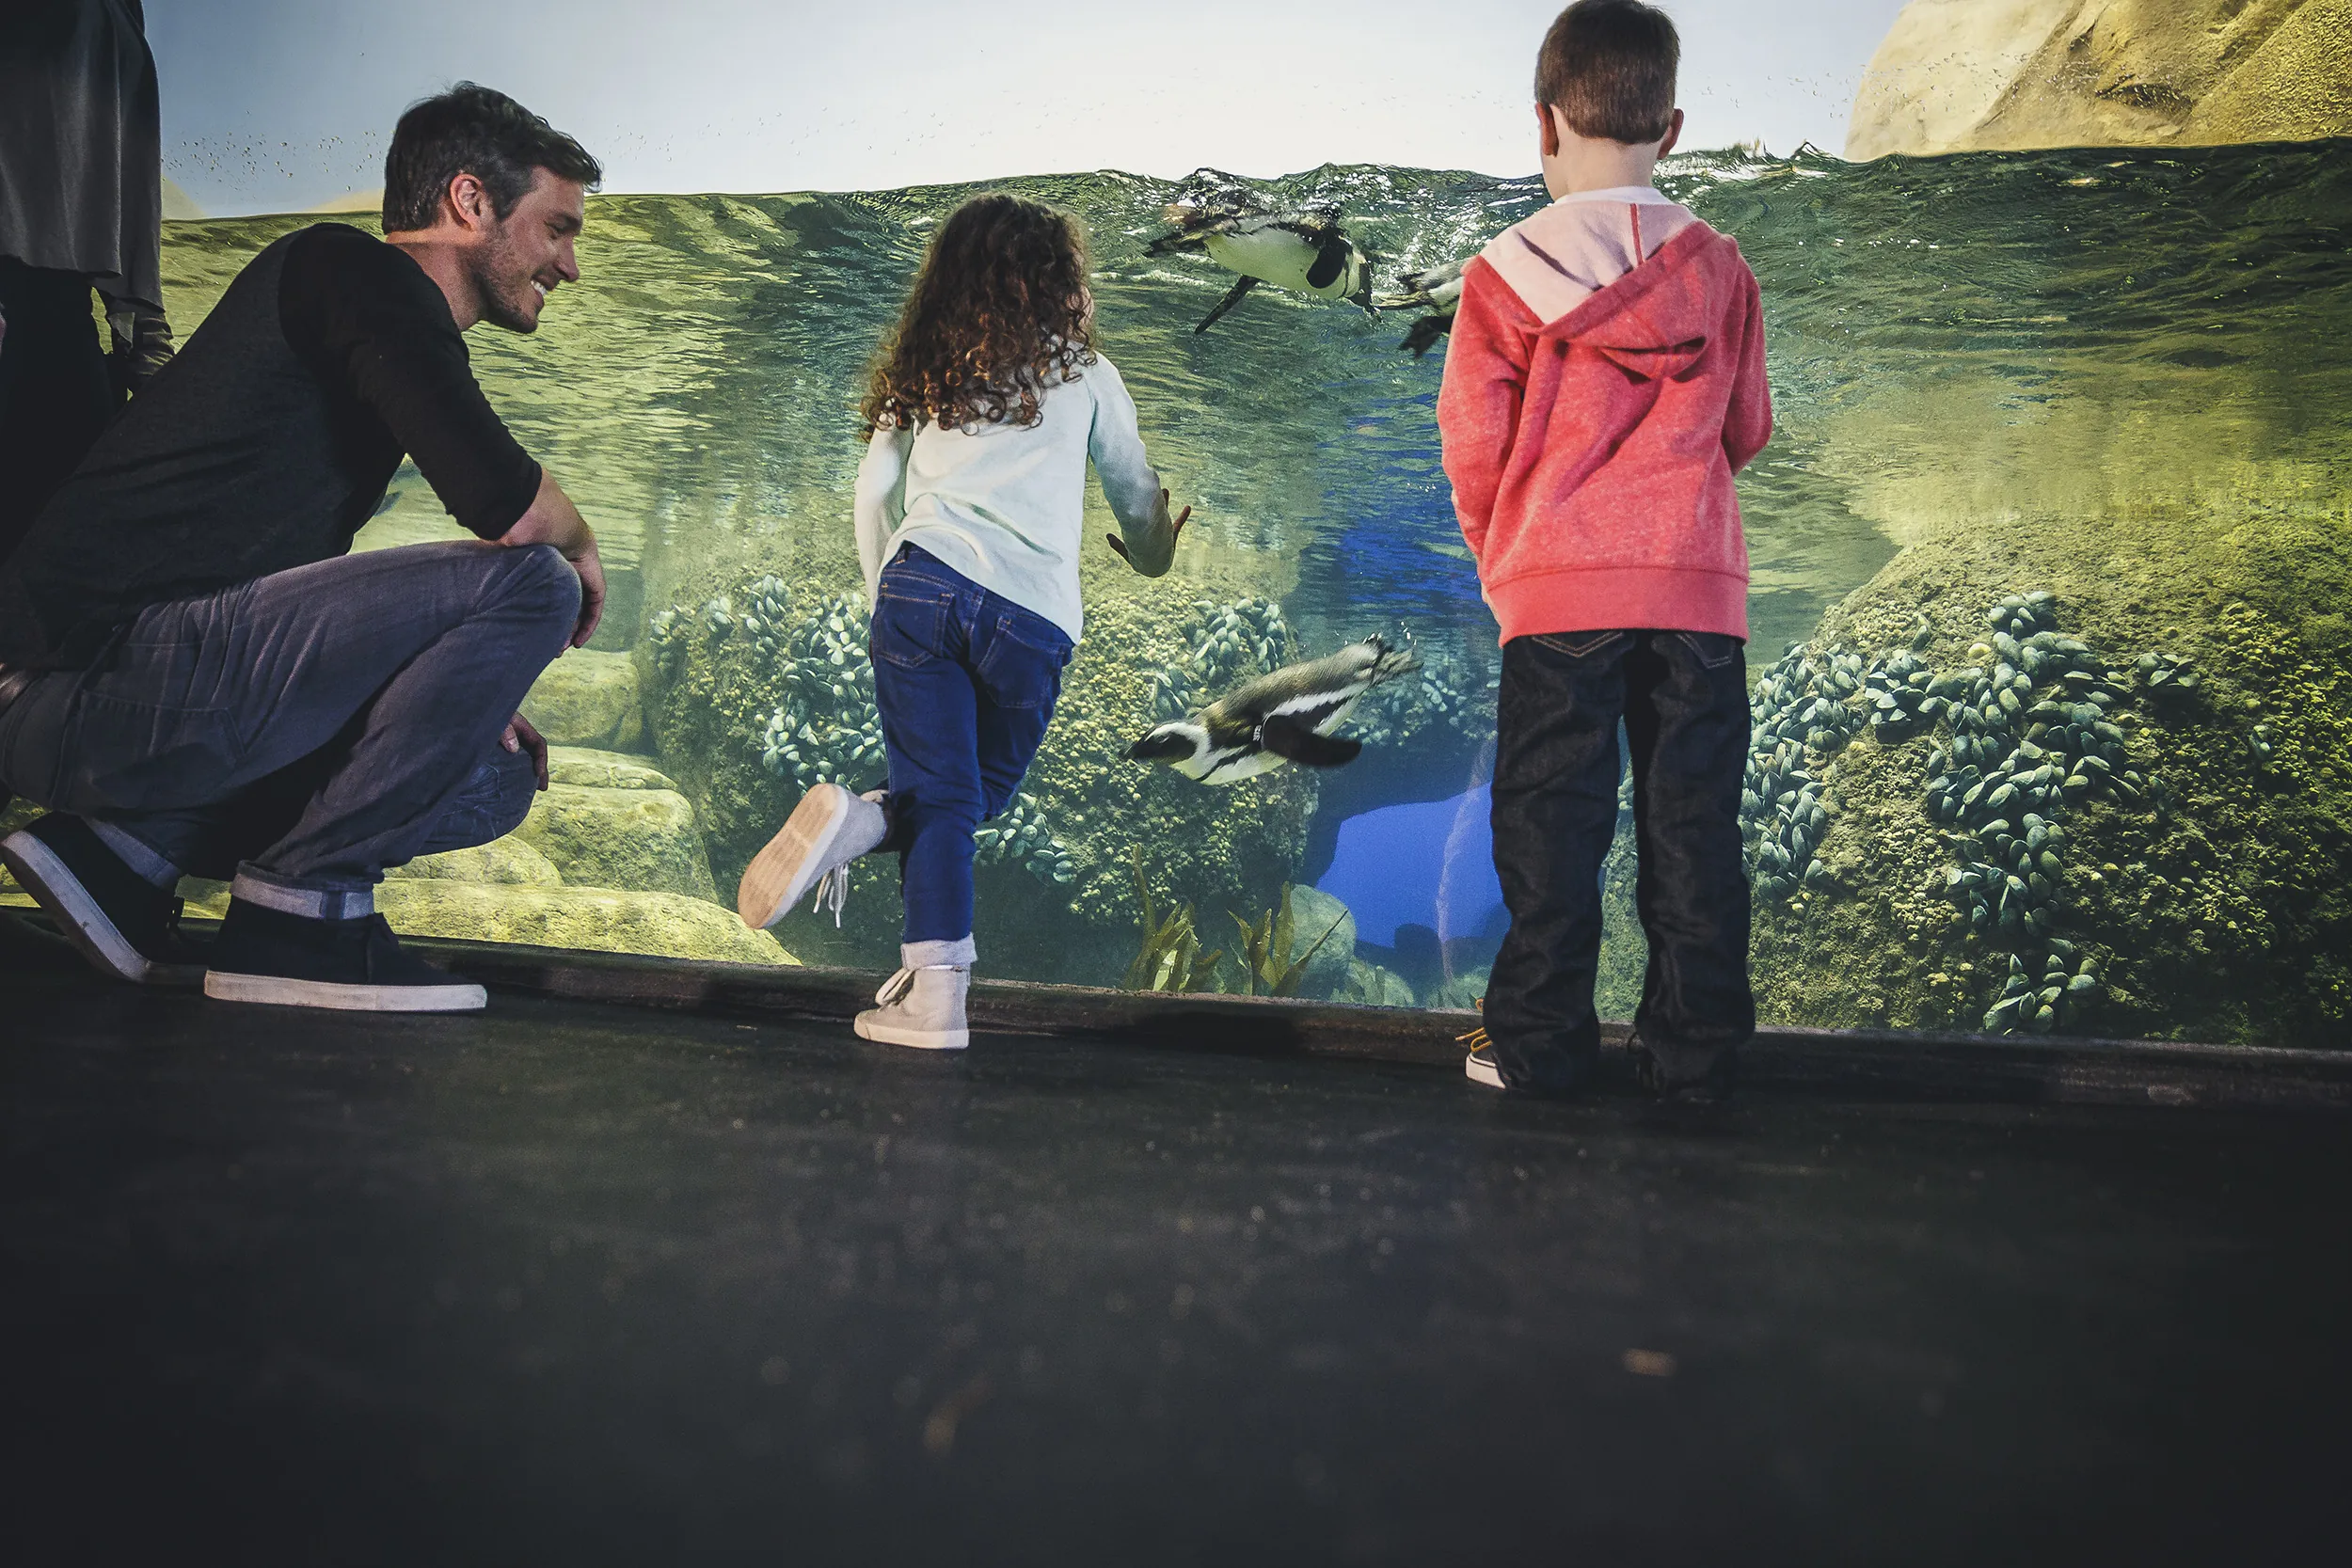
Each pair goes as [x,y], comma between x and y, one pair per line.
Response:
[2139,825]
[1969,75]
[1463,991]
[1372,986]
[508,862]
[641,840]
[602,920]
[593,769]
[587,698]
[827,729]
[1313,913]
[2025,736]
[1021,835]
[1799,718]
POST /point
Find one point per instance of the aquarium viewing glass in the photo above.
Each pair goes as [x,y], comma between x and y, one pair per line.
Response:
[2053,722]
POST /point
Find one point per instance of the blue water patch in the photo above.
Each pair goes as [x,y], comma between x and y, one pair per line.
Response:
[1389,548]
[1429,864]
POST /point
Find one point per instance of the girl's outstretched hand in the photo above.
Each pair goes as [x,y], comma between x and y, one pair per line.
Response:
[1175,528]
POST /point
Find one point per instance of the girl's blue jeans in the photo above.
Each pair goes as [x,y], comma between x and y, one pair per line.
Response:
[966,681]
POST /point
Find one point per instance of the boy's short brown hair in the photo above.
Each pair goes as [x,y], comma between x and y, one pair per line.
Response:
[1609,66]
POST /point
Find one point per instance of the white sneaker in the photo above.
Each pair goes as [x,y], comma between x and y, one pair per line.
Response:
[828,829]
[922,1006]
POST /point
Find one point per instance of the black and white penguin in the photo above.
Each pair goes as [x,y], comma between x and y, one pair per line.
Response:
[1285,717]
[1439,291]
[1307,252]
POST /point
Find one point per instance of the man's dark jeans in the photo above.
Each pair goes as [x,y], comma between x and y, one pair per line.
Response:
[966,681]
[1683,697]
[307,729]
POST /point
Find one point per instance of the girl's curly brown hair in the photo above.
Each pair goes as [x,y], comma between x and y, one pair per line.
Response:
[998,311]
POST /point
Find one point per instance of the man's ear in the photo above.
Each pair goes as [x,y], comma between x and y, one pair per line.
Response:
[1674,135]
[1550,144]
[468,202]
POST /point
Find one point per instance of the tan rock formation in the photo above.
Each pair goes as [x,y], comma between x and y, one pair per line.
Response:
[1966,75]
[587,698]
[593,769]
[641,839]
[508,862]
[664,924]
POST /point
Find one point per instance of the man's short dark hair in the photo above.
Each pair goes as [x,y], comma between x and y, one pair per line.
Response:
[477,130]
[1609,66]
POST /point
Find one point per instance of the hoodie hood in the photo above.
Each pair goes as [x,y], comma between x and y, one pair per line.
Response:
[1654,321]
[1625,272]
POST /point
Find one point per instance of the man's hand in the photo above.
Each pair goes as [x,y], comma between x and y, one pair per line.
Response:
[590,565]
[554,521]
[1161,518]
[521,736]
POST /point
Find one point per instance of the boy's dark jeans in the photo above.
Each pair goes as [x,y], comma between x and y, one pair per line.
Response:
[966,681]
[1683,697]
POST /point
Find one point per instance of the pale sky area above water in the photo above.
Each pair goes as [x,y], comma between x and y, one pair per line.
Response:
[277,105]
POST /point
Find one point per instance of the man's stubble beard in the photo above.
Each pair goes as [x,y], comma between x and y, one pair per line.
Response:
[500,293]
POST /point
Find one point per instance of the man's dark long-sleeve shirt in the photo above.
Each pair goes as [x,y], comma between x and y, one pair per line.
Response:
[264,445]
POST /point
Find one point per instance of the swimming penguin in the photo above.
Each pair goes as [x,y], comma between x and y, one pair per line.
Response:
[1285,717]
[1307,252]
[1437,288]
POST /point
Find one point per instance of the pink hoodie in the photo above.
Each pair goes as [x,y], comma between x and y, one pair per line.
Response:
[1604,382]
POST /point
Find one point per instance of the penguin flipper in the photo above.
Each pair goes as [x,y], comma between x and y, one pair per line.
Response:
[1331,260]
[1242,285]
[1287,738]
[1426,331]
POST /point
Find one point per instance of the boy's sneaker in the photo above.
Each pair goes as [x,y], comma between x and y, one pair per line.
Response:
[1684,1082]
[922,1007]
[123,923]
[1479,1068]
[265,956]
[828,829]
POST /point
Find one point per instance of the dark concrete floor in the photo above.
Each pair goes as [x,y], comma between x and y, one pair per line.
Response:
[577,1284]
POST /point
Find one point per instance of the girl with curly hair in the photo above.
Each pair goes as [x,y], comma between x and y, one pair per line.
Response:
[984,406]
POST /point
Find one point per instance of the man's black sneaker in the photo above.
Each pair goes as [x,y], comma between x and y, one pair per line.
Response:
[123,923]
[357,965]
[1479,1068]
[1685,1083]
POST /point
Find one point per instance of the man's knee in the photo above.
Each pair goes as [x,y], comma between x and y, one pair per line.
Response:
[539,577]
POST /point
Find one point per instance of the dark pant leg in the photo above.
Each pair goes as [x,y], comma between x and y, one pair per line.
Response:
[404,664]
[1687,724]
[491,803]
[929,705]
[1555,814]
[56,396]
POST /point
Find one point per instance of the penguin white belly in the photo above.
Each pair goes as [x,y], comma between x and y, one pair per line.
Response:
[1275,256]
[1247,766]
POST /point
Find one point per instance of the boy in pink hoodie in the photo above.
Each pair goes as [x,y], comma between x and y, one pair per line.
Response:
[1605,383]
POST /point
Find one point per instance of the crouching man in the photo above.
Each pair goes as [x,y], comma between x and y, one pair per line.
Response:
[197,678]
